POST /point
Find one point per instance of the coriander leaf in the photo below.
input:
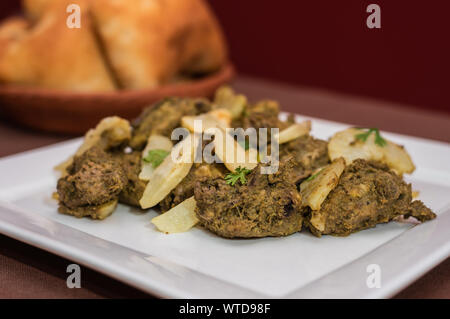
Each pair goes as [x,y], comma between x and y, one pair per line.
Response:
[378,139]
[156,157]
[238,175]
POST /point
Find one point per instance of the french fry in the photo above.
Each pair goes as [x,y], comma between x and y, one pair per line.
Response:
[315,189]
[179,219]
[170,173]
[294,131]
[232,154]
[227,99]
[154,142]
[215,118]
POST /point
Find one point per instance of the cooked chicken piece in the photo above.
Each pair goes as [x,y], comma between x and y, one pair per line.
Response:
[267,205]
[368,193]
[185,189]
[308,154]
[263,114]
[164,117]
[131,163]
[94,179]
[419,211]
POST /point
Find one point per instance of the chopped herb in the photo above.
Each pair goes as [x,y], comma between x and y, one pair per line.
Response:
[378,139]
[238,175]
[156,157]
[314,176]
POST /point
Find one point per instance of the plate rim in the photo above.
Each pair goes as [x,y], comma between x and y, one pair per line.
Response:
[431,253]
[31,231]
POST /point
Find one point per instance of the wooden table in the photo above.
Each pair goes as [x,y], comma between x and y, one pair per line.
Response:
[28,272]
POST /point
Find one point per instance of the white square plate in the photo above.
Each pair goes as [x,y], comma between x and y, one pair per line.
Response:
[198,264]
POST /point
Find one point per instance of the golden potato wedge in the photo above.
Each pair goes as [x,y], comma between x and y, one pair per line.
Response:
[215,118]
[232,154]
[110,131]
[294,131]
[179,219]
[345,144]
[95,212]
[318,220]
[315,189]
[105,210]
[397,158]
[226,98]
[170,173]
[154,142]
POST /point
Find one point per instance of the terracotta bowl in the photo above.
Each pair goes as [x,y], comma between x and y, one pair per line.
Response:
[74,113]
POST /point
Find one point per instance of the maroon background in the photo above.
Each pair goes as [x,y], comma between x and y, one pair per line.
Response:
[326,43]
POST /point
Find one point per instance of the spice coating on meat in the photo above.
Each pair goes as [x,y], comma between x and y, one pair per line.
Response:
[131,163]
[164,117]
[185,189]
[267,205]
[368,193]
[308,154]
[93,179]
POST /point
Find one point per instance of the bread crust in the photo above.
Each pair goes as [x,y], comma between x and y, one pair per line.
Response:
[151,41]
[49,54]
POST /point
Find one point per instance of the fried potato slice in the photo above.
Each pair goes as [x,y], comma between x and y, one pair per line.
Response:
[345,144]
[104,210]
[232,154]
[226,98]
[396,157]
[179,219]
[294,131]
[95,212]
[154,142]
[170,173]
[214,118]
[315,189]
[110,131]
[318,220]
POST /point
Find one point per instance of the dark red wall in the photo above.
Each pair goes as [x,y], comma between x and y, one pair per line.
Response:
[325,43]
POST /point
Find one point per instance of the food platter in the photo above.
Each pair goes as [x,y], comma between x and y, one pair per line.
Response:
[196,264]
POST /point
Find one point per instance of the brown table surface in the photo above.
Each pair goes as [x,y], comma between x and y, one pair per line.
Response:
[28,272]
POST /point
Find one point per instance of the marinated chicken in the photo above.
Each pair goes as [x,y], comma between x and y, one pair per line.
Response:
[93,179]
[368,193]
[308,154]
[131,164]
[185,189]
[164,117]
[337,187]
[267,205]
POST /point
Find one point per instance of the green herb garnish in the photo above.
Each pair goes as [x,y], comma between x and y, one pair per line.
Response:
[238,175]
[156,157]
[378,139]
[313,176]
